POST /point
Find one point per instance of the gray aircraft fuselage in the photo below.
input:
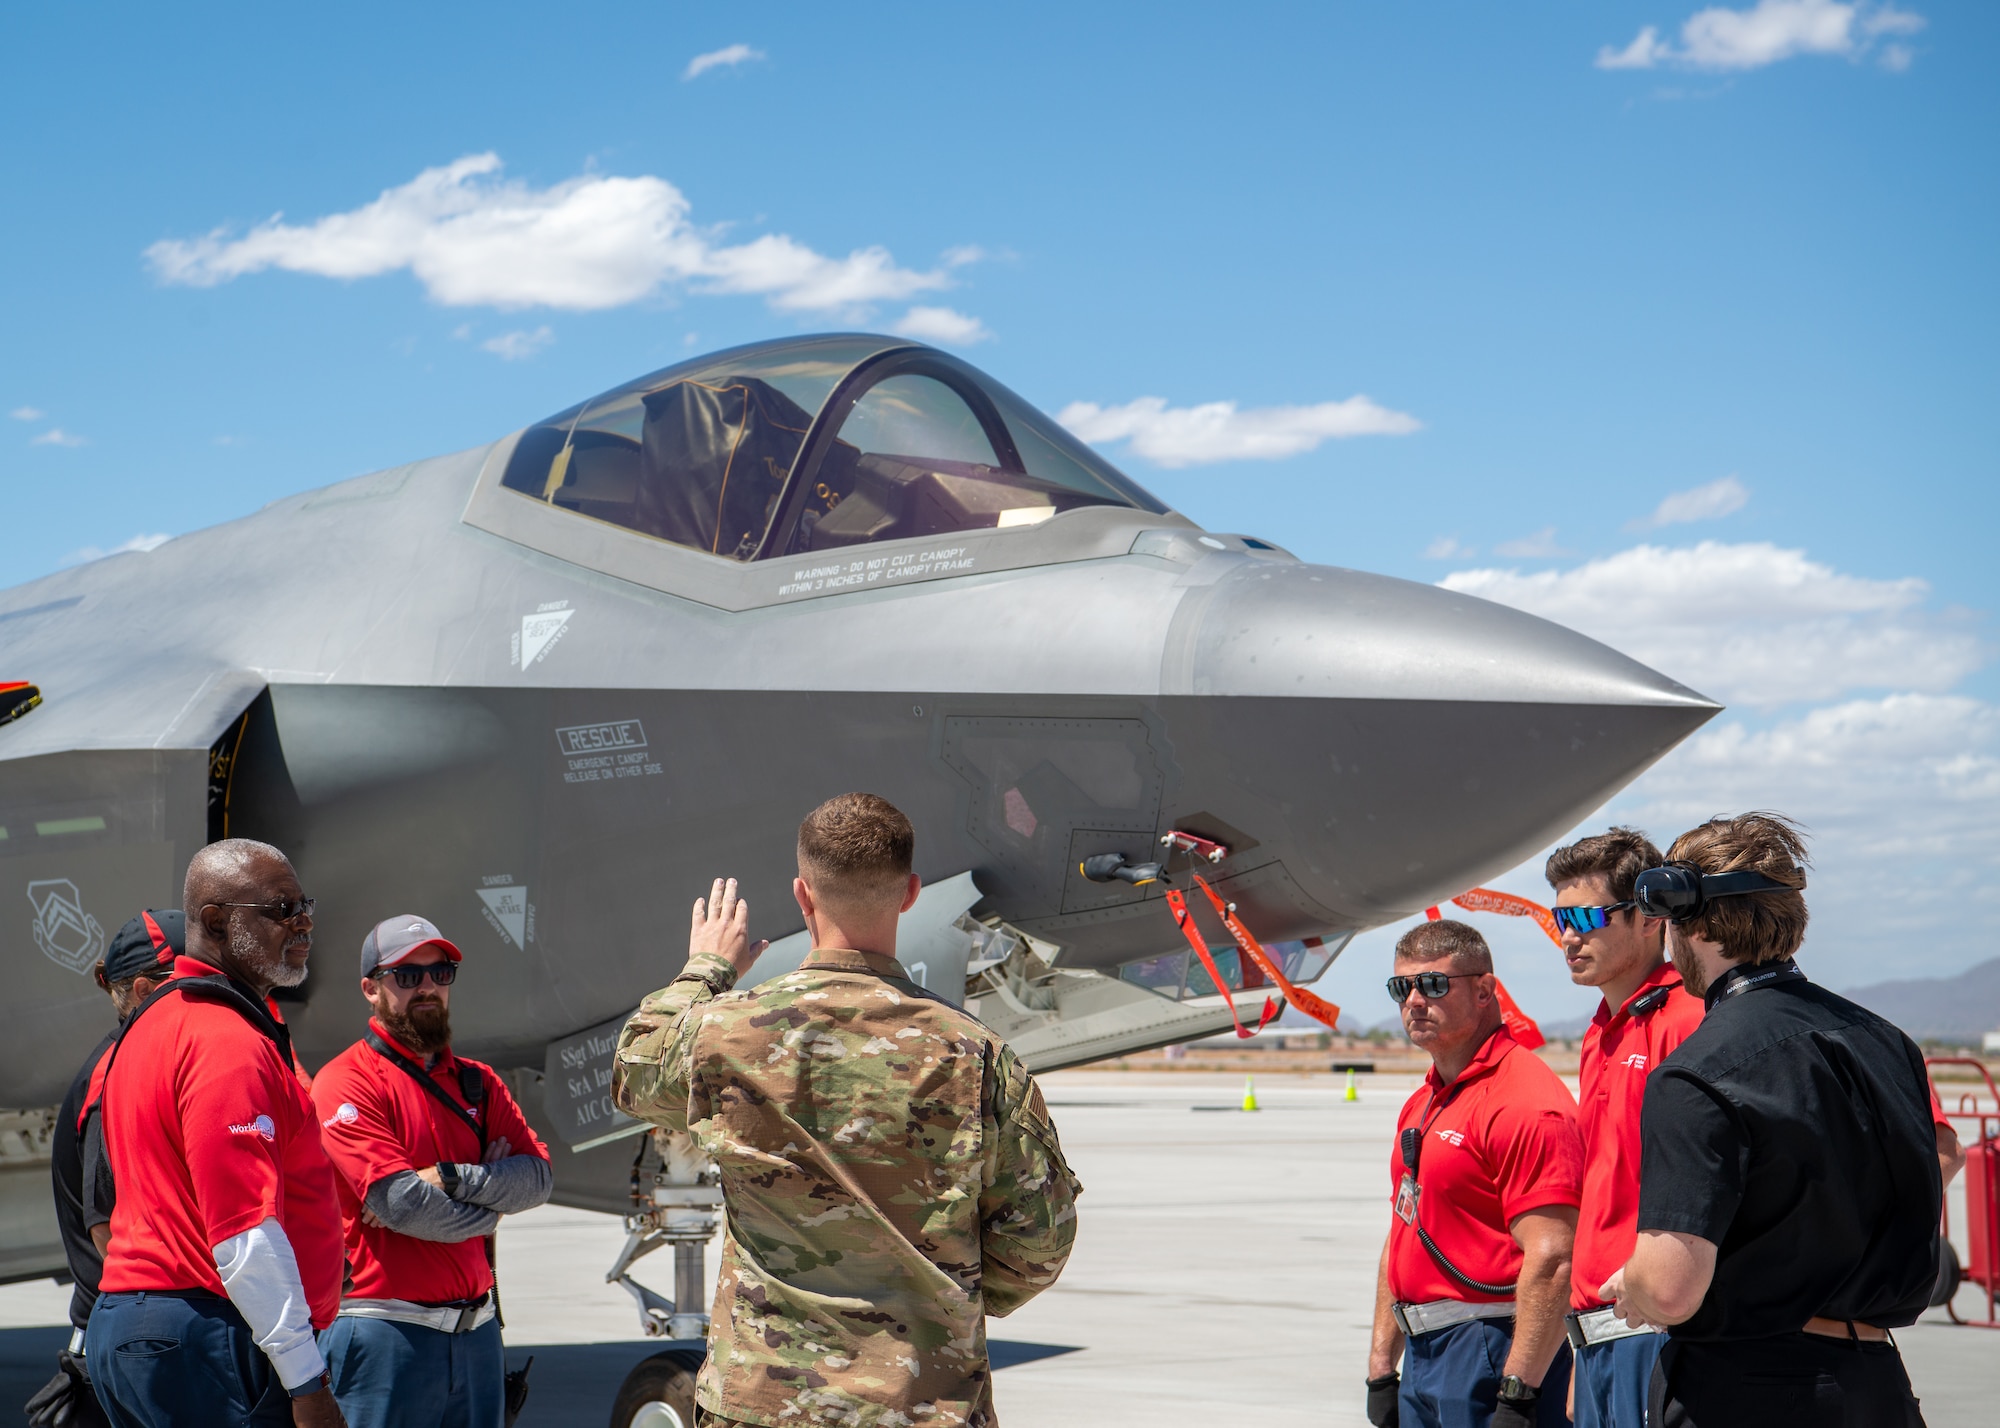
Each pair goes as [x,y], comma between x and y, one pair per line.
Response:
[548,733]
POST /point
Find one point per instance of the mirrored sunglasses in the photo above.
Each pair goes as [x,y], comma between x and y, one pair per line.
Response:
[1587,919]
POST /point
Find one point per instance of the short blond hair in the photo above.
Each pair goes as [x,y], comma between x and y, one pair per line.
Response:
[1442,937]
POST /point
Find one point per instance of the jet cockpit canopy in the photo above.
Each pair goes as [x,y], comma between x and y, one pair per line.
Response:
[810,444]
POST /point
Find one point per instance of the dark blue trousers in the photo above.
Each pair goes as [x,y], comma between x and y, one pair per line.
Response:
[392,1375]
[1451,1379]
[159,1361]
[1613,1380]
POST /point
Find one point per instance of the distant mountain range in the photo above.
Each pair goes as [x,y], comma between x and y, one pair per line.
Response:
[1960,1008]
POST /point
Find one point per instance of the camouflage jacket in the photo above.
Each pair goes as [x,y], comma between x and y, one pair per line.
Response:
[890,1177]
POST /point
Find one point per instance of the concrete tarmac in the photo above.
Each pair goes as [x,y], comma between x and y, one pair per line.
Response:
[1224,1273]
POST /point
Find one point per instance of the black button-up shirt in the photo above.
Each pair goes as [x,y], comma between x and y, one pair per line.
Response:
[66,1169]
[1793,1130]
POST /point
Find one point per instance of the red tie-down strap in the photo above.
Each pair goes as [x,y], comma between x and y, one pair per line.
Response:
[1520,1025]
[1318,1008]
[1184,920]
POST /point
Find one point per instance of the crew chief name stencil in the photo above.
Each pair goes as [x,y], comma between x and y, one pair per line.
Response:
[538,634]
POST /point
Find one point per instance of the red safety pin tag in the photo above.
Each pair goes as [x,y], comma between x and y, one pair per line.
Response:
[1177,903]
[1318,1008]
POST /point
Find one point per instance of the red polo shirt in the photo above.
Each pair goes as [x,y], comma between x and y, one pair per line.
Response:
[1499,1141]
[376,1121]
[209,1134]
[1619,1052]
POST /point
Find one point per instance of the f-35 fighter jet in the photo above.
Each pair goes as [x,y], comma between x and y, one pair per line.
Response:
[543,691]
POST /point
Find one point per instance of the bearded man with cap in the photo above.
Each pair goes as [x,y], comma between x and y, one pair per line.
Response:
[430,1150]
[139,958]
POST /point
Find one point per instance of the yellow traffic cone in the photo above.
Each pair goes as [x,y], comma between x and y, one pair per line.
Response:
[1351,1094]
[1249,1094]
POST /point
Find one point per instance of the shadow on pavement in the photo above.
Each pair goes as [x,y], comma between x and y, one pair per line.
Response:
[572,1385]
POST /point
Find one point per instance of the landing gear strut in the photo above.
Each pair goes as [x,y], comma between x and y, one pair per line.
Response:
[677,1195]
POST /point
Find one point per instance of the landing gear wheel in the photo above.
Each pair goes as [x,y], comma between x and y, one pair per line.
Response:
[658,1393]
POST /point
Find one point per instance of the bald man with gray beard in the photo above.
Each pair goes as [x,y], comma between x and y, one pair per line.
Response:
[226,1249]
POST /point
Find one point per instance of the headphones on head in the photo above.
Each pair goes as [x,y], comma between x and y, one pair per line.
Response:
[1681,891]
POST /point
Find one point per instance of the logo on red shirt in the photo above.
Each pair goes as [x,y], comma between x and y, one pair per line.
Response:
[346,1115]
[1452,1137]
[263,1126]
[1636,1061]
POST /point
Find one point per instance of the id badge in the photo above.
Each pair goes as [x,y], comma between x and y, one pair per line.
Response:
[1407,1194]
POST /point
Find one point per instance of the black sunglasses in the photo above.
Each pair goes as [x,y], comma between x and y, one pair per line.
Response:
[287,910]
[1432,984]
[443,973]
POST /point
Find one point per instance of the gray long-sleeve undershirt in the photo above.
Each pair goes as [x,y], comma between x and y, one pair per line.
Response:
[411,1205]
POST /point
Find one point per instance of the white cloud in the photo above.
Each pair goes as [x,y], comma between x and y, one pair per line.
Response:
[1902,798]
[1220,431]
[598,241]
[140,543]
[964,253]
[1449,548]
[1749,623]
[27,414]
[1703,503]
[514,346]
[56,436]
[1719,38]
[1644,52]
[942,324]
[725,58]
[1539,546]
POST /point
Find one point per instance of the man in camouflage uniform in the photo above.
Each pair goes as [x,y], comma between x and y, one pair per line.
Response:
[889,1170]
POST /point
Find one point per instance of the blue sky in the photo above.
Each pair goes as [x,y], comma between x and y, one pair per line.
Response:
[1672,322]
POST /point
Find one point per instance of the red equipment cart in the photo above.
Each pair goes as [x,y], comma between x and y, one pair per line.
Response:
[1982,1182]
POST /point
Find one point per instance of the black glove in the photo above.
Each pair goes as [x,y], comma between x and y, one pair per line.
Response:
[1514,1414]
[1383,1411]
[66,1401]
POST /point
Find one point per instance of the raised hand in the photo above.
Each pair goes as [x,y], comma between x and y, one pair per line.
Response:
[722,926]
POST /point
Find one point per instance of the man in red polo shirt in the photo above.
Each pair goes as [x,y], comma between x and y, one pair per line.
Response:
[225,1248]
[1645,1014]
[430,1151]
[1485,1181]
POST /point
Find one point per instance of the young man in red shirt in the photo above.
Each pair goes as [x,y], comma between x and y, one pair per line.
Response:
[225,1248]
[1486,1177]
[430,1151]
[1645,1014]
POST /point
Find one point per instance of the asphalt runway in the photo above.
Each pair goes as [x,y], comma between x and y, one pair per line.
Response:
[1224,1273]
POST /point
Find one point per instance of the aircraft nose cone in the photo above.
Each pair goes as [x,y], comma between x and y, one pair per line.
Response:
[1409,741]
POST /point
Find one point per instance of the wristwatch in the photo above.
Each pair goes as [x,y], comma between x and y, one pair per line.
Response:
[448,1174]
[313,1385]
[1512,1390]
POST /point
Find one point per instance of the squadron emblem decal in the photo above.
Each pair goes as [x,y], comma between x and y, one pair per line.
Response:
[67,935]
[539,633]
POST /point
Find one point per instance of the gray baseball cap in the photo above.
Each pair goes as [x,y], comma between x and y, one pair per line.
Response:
[395,938]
